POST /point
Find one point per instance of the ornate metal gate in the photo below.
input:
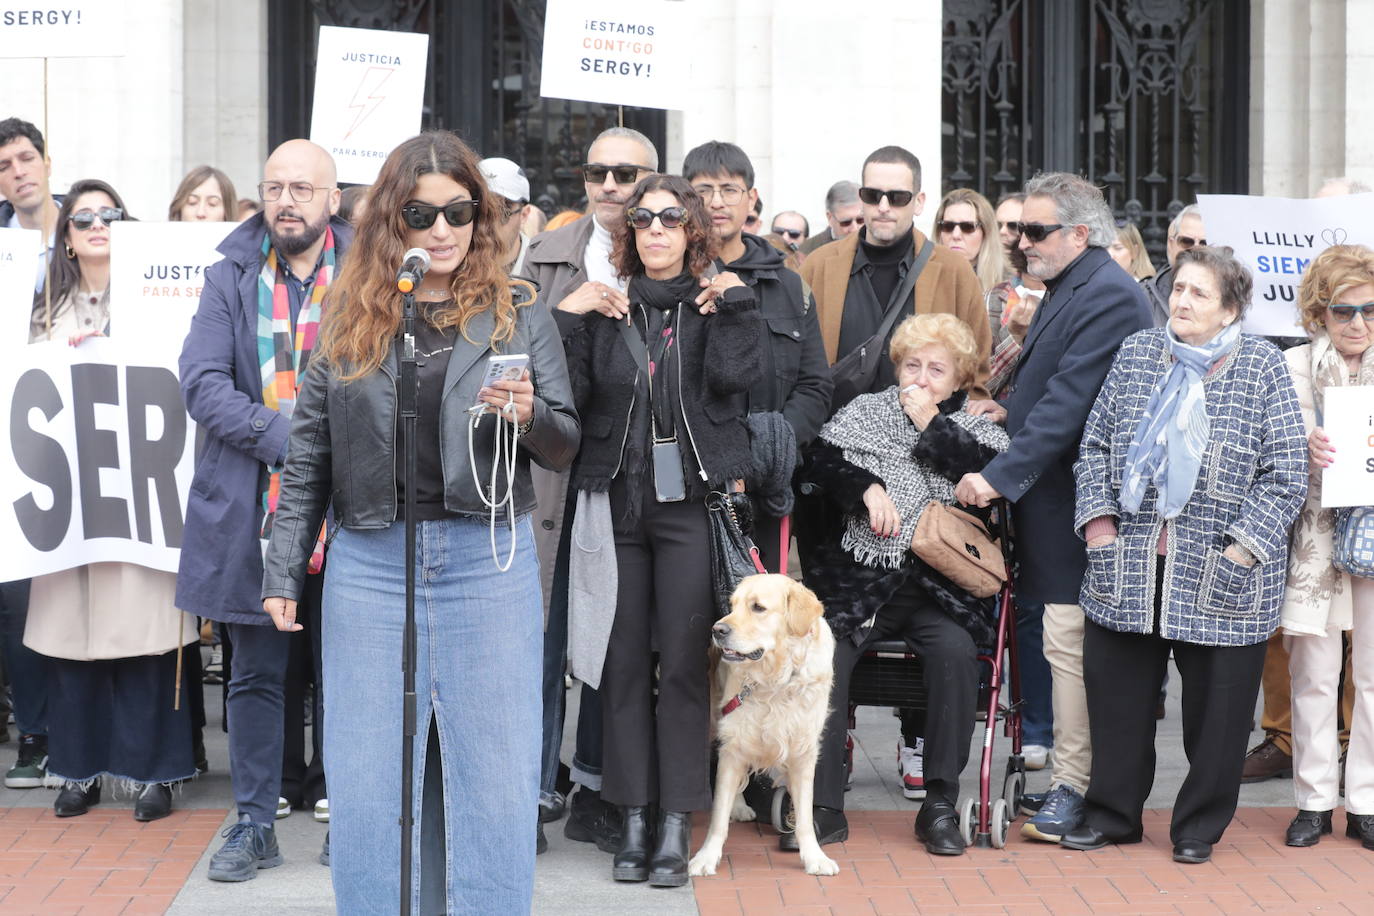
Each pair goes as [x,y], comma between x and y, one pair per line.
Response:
[1147,98]
[484,83]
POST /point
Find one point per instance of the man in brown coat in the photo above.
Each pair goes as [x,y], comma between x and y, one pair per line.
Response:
[853,279]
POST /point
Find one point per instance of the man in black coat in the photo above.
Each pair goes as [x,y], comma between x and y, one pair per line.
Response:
[796,376]
[1090,307]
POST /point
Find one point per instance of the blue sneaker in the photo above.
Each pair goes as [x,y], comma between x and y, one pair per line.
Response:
[1062,811]
[247,847]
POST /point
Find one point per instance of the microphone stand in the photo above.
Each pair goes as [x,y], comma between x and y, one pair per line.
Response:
[410,415]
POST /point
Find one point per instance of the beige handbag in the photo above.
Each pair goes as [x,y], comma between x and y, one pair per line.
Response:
[956,545]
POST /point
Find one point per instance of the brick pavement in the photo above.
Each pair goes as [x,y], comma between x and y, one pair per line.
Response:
[884,871]
[103,862]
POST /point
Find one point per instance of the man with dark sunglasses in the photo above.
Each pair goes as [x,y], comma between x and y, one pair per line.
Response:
[258,314]
[508,182]
[843,216]
[792,226]
[1185,232]
[572,268]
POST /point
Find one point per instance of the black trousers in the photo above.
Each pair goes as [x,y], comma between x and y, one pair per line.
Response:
[659,755]
[1123,673]
[950,663]
[302,785]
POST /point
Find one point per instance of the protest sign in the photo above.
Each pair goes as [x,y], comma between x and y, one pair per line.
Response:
[1277,238]
[156,274]
[99,457]
[618,52]
[62,28]
[1348,418]
[21,258]
[369,92]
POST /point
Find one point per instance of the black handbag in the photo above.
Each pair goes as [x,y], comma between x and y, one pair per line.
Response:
[856,372]
[730,517]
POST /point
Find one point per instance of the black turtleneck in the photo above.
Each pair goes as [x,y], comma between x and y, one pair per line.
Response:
[885,262]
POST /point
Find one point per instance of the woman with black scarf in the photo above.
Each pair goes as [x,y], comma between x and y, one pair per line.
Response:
[656,440]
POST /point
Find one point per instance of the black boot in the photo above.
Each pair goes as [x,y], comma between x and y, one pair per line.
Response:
[71,801]
[1360,827]
[672,849]
[1307,828]
[154,802]
[631,863]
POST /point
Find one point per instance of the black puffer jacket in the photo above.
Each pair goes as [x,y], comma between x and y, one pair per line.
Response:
[719,358]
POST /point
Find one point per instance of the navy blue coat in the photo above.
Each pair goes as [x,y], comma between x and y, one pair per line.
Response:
[1091,308]
[220,576]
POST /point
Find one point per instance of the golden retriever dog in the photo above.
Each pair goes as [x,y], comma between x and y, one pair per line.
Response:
[777,661]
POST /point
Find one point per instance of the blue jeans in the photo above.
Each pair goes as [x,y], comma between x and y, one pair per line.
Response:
[28,671]
[479,642]
[1037,710]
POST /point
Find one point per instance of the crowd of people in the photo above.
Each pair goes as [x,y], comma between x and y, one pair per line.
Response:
[1162,469]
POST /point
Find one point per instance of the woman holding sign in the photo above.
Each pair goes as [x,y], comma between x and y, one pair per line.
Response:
[116,709]
[479,620]
[1322,603]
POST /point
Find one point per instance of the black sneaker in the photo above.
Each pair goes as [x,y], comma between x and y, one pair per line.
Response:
[324,853]
[30,771]
[247,848]
[593,820]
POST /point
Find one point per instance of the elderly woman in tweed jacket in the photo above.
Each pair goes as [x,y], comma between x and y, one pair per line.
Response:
[1193,466]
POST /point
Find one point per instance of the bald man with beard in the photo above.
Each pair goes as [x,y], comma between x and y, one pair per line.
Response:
[257,319]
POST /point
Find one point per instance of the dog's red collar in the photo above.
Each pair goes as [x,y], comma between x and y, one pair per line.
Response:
[736,700]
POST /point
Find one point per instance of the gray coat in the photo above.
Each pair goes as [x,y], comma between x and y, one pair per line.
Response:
[1252,483]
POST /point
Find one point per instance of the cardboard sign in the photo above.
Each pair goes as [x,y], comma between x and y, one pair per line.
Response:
[156,274]
[99,456]
[369,92]
[1277,238]
[1348,419]
[618,52]
[21,259]
[62,28]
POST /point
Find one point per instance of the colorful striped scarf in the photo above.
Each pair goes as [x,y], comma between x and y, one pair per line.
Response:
[284,359]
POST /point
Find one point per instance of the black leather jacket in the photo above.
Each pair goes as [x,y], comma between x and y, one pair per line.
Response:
[343,433]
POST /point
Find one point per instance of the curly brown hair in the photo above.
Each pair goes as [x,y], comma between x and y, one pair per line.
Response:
[1334,272]
[701,242]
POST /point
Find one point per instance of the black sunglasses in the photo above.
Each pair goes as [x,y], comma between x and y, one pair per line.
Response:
[84,220]
[1011,224]
[871,196]
[422,216]
[949,225]
[624,174]
[1187,241]
[846,223]
[1344,314]
[1038,232]
[668,217]
[793,234]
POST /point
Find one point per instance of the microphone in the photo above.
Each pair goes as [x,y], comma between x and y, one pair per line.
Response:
[412,270]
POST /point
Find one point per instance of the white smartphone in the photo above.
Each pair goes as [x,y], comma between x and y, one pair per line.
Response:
[505,367]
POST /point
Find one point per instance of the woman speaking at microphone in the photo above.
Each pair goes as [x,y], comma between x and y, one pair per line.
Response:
[478,628]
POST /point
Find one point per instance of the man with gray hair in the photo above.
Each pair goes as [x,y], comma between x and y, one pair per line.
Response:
[1090,307]
[1185,232]
[843,213]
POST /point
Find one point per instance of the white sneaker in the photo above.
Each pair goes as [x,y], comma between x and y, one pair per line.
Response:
[283,808]
[911,767]
[1035,755]
[322,810]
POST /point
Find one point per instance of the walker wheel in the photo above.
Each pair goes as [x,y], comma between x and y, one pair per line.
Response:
[1001,820]
[1013,788]
[967,820]
[783,819]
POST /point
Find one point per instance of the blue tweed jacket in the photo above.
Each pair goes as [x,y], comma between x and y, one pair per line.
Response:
[1250,488]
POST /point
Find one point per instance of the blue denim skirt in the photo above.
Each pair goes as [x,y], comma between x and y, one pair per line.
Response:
[479,644]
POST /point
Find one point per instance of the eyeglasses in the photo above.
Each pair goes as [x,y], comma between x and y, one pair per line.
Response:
[793,234]
[668,217]
[1187,241]
[846,223]
[422,216]
[1344,314]
[596,173]
[949,225]
[510,208]
[730,194]
[85,219]
[871,196]
[1038,232]
[302,192]
[1010,225]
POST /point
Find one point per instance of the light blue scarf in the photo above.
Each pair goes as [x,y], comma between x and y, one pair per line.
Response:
[1168,444]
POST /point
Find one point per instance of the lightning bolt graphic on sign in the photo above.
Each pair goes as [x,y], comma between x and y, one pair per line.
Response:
[368,95]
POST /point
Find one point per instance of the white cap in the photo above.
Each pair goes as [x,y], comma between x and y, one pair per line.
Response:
[505,178]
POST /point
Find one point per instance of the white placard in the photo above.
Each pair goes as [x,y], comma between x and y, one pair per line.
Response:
[1277,238]
[21,259]
[156,274]
[99,455]
[617,52]
[1348,418]
[62,28]
[369,93]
